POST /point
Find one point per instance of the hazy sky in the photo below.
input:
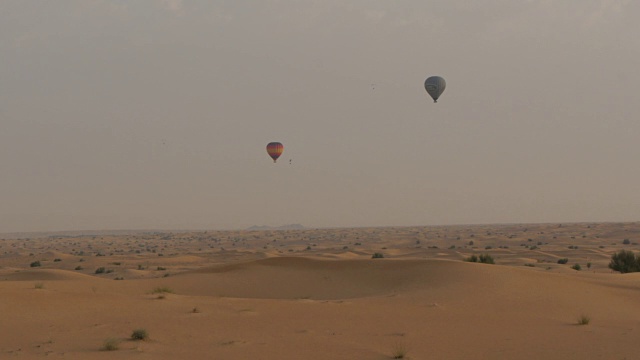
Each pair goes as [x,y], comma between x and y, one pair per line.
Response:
[156,114]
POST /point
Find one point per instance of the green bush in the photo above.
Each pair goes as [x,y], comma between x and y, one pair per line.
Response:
[483,258]
[576,267]
[563,261]
[625,262]
[377,256]
[486,259]
[35,264]
[100,270]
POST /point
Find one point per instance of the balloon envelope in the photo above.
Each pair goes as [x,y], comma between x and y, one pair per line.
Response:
[435,86]
[275,149]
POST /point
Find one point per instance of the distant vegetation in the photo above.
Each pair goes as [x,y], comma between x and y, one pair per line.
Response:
[563,261]
[576,267]
[377,256]
[35,264]
[482,258]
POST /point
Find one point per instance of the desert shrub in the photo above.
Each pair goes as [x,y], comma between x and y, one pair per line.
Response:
[584,320]
[472,258]
[161,290]
[530,265]
[377,256]
[576,267]
[485,259]
[78,267]
[57,260]
[139,334]
[100,270]
[111,344]
[588,265]
[160,268]
[563,261]
[624,261]
[626,242]
[38,285]
[35,264]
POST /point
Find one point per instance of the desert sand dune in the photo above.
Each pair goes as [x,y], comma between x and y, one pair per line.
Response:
[318,294]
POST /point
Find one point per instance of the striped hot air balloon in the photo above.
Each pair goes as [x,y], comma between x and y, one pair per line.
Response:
[435,86]
[274,149]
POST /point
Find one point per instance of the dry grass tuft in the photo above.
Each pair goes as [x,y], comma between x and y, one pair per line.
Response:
[111,344]
[584,320]
[139,334]
[399,351]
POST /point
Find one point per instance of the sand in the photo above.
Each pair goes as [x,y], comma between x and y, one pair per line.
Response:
[318,294]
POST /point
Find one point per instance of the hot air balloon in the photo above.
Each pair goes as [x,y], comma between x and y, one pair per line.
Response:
[274,149]
[435,86]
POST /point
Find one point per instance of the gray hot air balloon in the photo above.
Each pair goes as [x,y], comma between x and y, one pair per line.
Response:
[435,86]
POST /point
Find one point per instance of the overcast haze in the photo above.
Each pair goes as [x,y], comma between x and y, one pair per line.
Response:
[156,114]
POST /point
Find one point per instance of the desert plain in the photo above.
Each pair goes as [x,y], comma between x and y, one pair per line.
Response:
[320,294]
